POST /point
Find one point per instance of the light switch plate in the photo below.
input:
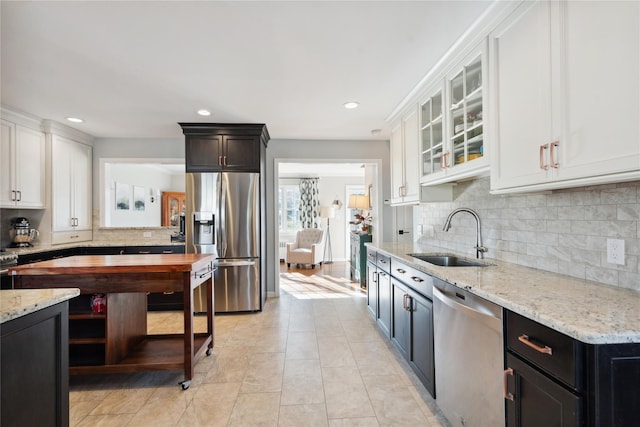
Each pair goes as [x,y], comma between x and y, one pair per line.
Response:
[615,251]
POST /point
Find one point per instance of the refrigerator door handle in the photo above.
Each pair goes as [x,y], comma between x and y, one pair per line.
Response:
[239,263]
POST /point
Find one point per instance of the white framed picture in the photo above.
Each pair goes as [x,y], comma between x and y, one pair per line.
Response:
[138,198]
[123,196]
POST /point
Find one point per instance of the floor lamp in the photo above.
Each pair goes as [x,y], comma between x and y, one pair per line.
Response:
[328,213]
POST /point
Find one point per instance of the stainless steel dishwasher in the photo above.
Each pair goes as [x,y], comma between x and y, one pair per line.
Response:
[469,361]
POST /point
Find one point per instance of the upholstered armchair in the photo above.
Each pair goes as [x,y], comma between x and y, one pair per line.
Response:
[307,249]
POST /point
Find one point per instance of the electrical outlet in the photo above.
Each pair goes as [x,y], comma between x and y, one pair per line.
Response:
[615,251]
[146,234]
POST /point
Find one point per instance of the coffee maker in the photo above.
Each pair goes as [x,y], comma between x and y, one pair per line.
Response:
[21,233]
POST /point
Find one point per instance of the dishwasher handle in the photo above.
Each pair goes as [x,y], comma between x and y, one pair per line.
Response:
[479,314]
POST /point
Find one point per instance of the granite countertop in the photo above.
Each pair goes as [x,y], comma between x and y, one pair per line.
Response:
[590,312]
[15,303]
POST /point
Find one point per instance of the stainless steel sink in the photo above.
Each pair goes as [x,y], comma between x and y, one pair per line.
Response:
[448,260]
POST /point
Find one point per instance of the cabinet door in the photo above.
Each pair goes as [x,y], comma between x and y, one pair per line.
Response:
[411,136]
[400,322]
[82,188]
[537,400]
[397,166]
[465,121]
[432,136]
[372,289]
[602,89]
[62,183]
[521,96]
[71,185]
[7,139]
[384,302]
[203,153]
[421,356]
[30,167]
[241,153]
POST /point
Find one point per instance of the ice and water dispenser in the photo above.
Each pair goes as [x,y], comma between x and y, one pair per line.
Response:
[203,230]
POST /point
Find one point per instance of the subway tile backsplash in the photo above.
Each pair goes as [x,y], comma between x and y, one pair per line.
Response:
[563,231]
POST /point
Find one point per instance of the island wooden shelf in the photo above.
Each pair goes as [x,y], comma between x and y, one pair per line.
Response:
[116,340]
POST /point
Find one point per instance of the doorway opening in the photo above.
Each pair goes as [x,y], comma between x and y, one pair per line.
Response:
[337,180]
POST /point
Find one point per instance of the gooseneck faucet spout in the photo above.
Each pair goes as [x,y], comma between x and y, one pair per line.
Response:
[480,250]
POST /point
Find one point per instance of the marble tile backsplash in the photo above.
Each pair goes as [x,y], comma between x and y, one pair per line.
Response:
[132,235]
[563,231]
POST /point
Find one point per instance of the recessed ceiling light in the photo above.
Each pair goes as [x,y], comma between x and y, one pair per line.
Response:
[351,104]
[204,112]
[75,120]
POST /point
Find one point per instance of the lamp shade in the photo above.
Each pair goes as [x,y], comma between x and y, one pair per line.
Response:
[358,201]
[327,212]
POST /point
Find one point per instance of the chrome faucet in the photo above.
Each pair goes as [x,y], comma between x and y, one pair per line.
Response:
[479,248]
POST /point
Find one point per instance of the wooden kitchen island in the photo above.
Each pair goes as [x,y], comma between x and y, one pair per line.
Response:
[116,339]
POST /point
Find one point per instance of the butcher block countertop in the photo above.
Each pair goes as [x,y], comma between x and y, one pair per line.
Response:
[15,303]
[590,312]
[108,264]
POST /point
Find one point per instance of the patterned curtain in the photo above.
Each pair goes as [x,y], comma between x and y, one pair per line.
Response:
[309,203]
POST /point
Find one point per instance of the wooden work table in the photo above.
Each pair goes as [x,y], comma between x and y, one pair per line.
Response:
[116,340]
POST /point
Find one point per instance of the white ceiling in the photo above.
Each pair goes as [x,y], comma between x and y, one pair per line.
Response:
[135,69]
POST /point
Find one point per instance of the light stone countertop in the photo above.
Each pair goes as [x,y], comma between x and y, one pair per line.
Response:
[15,303]
[590,312]
[88,244]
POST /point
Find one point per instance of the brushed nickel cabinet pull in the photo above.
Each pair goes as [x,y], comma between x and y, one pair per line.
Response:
[524,339]
[144,252]
[417,279]
[552,152]
[19,195]
[507,394]
[401,271]
[220,160]
[543,165]
[225,161]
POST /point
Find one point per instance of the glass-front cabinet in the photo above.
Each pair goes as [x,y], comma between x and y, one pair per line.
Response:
[431,128]
[452,137]
[465,110]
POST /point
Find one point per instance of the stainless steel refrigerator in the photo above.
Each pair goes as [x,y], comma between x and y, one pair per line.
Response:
[223,218]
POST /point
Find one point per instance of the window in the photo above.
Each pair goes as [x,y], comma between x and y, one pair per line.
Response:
[288,204]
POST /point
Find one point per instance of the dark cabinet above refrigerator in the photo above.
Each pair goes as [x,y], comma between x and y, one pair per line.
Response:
[217,147]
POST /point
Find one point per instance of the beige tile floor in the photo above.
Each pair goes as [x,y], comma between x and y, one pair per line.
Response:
[312,357]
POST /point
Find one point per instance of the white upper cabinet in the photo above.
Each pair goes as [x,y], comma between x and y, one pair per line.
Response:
[22,167]
[565,95]
[405,157]
[71,190]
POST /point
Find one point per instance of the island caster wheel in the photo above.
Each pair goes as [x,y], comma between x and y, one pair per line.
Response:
[209,351]
[185,384]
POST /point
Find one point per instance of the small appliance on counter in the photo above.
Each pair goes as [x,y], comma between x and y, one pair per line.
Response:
[21,233]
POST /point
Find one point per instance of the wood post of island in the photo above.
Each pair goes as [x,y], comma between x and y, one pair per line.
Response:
[116,340]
